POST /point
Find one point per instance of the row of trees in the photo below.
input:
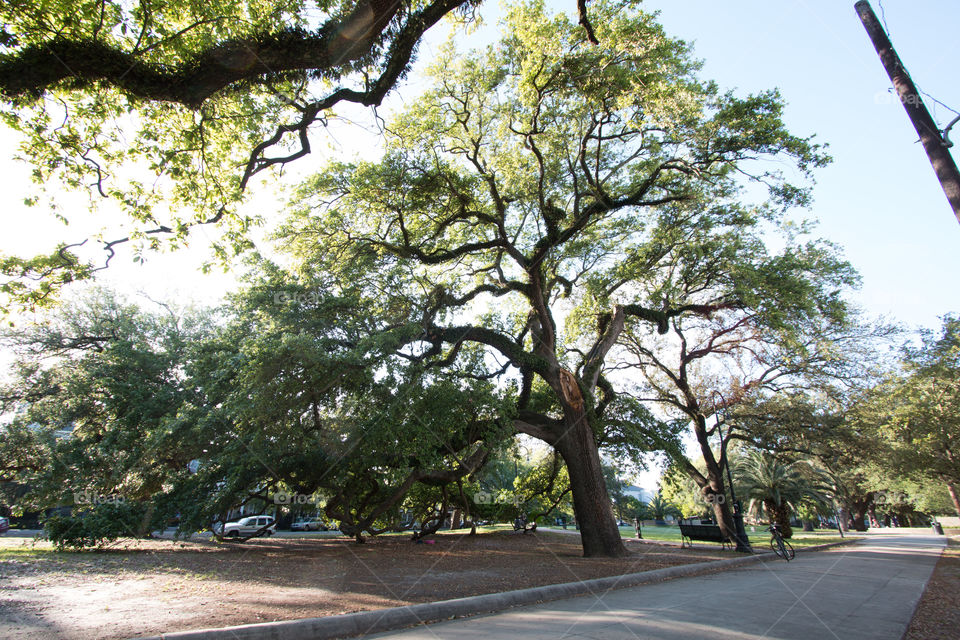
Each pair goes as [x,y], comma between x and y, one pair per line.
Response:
[557,242]
[882,452]
[177,416]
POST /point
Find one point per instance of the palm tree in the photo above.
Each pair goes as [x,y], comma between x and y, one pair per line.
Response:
[660,508]
[775,487]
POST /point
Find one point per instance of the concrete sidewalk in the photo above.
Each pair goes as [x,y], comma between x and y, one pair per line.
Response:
[868,590]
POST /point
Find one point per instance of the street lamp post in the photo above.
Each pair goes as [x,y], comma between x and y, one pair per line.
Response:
[743,542]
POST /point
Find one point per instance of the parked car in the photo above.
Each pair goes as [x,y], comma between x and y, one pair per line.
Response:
[248,526]
[4,525]
[309,524]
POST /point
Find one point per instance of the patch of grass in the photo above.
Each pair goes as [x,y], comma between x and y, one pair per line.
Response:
[670,533]
[759,536]
[799,542]
[26,553]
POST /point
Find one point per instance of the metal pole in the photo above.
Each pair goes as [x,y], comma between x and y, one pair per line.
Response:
[743,542]
[936,147]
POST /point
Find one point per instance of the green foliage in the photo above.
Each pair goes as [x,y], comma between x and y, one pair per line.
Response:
[917,411]
[97,390]
[763,477]
[660,507]
[165,110]
[415,329]
[631,508]
[28,281]
[99,526]
[928,497]
[810,511]
[775,487]
[678,488]
[613,169]
[544,489]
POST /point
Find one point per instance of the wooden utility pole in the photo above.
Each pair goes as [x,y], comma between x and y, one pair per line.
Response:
[930,136]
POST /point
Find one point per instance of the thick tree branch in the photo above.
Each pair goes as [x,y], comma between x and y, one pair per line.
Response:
[502,343]
[398,60]
[538,426]
[34,69]
[608,337]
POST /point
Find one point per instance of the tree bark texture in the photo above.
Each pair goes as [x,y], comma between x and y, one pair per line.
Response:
[954,496]
[591,502]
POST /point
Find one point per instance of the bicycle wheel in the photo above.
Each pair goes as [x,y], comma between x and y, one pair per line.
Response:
[790,553]
[777,544]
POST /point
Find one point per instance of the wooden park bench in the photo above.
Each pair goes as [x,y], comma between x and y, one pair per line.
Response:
[702,533]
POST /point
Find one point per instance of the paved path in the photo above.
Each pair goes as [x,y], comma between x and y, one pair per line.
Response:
[868,590]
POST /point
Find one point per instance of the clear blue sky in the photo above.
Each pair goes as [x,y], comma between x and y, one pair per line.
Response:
[879,200]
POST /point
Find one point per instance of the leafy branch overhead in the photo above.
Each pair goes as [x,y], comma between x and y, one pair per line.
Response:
[170,109]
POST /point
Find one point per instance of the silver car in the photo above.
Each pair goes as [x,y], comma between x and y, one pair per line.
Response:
[309,524]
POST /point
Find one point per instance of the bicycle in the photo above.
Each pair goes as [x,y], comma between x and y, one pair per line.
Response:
[780,546]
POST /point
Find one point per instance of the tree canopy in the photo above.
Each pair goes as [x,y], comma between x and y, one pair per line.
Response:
[166,110]
[572,198]
[550,218]
[918,411]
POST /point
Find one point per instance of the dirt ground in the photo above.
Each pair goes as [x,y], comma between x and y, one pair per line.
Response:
[149,587]
[938,615]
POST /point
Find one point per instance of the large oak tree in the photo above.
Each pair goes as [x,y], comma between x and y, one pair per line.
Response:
[532,200]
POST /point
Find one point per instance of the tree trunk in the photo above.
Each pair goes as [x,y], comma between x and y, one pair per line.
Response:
[714,488]
[779,514]
[859,507]
[143,530]
[859,521]
[724,516]
[783,520]
[599,534]
[858,513]
[468,517]
[953,496]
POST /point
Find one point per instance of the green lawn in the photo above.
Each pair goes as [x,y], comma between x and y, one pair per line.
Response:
[24,552]
[758,535]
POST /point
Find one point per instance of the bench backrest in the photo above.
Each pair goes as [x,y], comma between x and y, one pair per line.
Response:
[701,531]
